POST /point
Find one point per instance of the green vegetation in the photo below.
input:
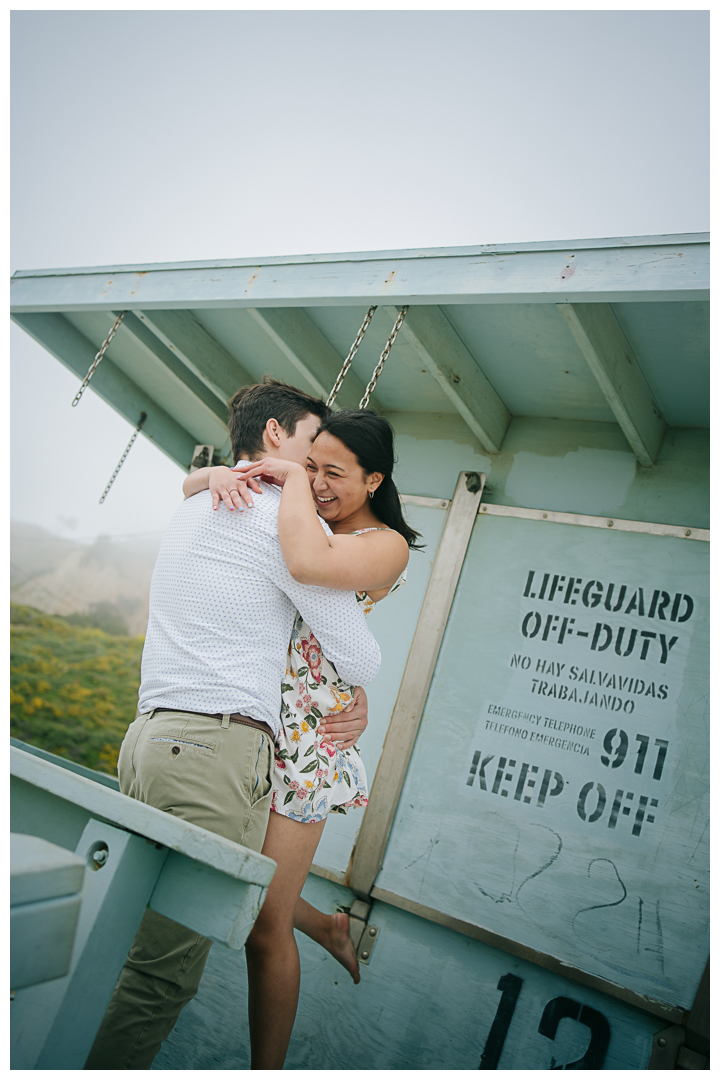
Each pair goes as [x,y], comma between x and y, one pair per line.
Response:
[73,689]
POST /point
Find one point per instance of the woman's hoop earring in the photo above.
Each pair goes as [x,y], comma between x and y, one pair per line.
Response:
[371,493]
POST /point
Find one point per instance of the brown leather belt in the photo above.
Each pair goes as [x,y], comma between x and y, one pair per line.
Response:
[235,718]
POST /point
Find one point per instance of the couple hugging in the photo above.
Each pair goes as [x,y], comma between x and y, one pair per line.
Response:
[294,545]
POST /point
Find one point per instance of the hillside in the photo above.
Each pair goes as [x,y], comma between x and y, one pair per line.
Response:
[73,689]
[108,581]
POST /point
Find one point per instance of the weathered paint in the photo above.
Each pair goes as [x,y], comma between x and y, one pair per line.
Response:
[558,789]
[605,271]
[427,1000]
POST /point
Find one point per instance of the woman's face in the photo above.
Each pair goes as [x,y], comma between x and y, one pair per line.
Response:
[339,485]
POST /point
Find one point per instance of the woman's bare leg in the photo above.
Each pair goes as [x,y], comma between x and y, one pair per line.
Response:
[330,931]
[272,956]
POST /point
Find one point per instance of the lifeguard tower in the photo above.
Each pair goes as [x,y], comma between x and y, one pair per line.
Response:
[529,885]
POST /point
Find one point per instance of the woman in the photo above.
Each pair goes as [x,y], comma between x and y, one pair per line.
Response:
[348,484]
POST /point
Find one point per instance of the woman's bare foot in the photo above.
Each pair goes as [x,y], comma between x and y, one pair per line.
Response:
[339,944]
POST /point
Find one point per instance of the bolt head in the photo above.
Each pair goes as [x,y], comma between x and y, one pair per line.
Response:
[662,1042]
[372,931]
[365,954]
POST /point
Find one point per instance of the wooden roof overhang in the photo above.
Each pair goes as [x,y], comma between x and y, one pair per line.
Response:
[612,330]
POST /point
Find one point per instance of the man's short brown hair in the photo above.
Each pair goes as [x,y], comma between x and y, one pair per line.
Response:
[252,407]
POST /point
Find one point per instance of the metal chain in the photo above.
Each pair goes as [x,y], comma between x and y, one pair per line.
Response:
[101,352]
[383,357]
[351,355]
[143,418]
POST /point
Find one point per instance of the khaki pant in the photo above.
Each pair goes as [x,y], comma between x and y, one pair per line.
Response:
[219,776]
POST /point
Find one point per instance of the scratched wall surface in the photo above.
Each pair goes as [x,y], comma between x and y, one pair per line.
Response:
[430,998]
[558,788]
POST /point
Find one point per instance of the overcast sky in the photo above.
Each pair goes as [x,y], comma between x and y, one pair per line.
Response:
[169,136]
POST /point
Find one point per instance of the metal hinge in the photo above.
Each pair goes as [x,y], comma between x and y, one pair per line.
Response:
[202,456]
[362,933]
[669,1051]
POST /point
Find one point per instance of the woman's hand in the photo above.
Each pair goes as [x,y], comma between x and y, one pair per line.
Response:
[345,728]
[234,490]
[271,469]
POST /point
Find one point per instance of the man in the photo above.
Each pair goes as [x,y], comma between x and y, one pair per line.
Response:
[222,607]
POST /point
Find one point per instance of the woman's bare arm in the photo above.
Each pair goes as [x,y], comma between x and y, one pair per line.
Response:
[368,563]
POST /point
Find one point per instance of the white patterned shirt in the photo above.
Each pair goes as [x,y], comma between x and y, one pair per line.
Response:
[222,607]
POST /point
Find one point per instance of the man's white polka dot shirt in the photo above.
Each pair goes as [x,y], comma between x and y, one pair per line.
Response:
[222,607]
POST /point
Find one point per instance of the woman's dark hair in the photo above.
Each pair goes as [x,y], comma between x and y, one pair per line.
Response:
[370,438]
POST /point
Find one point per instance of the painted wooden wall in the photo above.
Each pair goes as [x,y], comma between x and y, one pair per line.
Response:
[430,995]
[427,1000]
[558,790]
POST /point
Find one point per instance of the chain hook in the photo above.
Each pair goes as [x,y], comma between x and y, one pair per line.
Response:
[383,357]
[351,355]
[98,357]
[143,418]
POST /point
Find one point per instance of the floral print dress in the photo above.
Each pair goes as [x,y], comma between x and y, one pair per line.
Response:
[312,779]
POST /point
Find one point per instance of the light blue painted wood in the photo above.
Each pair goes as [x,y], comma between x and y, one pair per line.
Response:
[206,315]
[53,1024]
[526,351]
[402,386]
[563,274]
[154,348]
[427,1000]
[558,789]
[531,360]
[72,766]
[74,351]
[661,239]
[45,883]
[672,345]
[188,402]
[568,466]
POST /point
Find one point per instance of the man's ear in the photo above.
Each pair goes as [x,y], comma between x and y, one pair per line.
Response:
[273,433]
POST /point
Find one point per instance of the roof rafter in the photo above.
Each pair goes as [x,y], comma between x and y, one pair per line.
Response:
[613,363]
[150,344]
[188,339]
[309,351]
[439,350]
[76,352]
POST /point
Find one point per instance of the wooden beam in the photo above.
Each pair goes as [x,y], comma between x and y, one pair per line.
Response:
[613,363]
[73,349]
[412,695]
[440,351]
[152,346]
[188,339]
[623,269]
[310,353]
